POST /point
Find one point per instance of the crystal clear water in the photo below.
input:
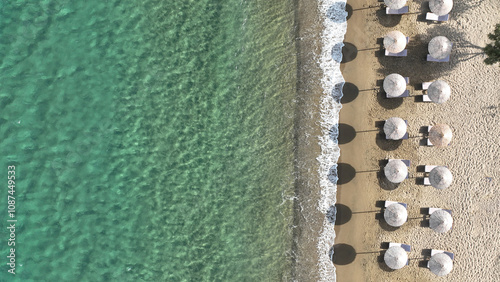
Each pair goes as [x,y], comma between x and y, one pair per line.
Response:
[153,140]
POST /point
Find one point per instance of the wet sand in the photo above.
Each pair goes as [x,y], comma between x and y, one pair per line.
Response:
[473,157]
[308,220]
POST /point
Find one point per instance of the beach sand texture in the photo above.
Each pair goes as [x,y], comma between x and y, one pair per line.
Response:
[473,156]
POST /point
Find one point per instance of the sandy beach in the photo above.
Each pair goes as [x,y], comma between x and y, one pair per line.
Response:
[473,157]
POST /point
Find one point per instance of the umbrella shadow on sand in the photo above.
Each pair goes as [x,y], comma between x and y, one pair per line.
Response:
[343,214]
[387,20]
[387,144]
[345,173]
[342,254]
[386,103]
[348,50]
[350,92]
[342,133]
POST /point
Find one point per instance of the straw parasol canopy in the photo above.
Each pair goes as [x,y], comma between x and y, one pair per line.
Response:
[439,91]
[395,128]
[441,221]
[394,84]
[395,41]
[395,215]
[396,171]
[439,47]
[440,264]
[440,135]
[395,257]
[395,4]
[440,177]
[441,7]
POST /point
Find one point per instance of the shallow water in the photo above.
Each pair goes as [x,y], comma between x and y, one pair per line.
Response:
[153,140]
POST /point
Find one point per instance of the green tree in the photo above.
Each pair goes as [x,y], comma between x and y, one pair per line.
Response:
[492,50]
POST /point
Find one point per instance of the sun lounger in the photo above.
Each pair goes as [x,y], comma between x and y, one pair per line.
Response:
[406,93]
[431,59]
[403,10]
[431,210]
[404,246]
[434,17]
[406,162]
[427,182]
[428,168]
[451,255]
[429,143]
[403,53]
[388,203]
[425,85]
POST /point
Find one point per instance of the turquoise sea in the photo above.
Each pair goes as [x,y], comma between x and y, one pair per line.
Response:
[152,140]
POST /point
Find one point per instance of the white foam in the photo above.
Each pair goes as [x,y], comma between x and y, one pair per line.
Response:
[334,18]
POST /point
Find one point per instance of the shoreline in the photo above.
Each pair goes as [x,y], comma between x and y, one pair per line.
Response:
[308,220]
[473,157]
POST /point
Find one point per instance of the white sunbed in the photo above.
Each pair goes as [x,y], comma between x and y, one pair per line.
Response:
[388,203]
[428,168]
[425,86]
[434,17]
[431,210]
[403,10]
[450,254]
[429,143]
[403,53]
[404,246]
[431,59]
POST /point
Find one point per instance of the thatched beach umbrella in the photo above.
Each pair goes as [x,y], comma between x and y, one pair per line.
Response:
[439,47]
[395,4]
[395,215]
[441,7]
[440,135]
[439,91]
[440,177]
[395,257]
[395,41]
[440,264]
[395,128]
[396,171]
[394,84]
[441,221]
